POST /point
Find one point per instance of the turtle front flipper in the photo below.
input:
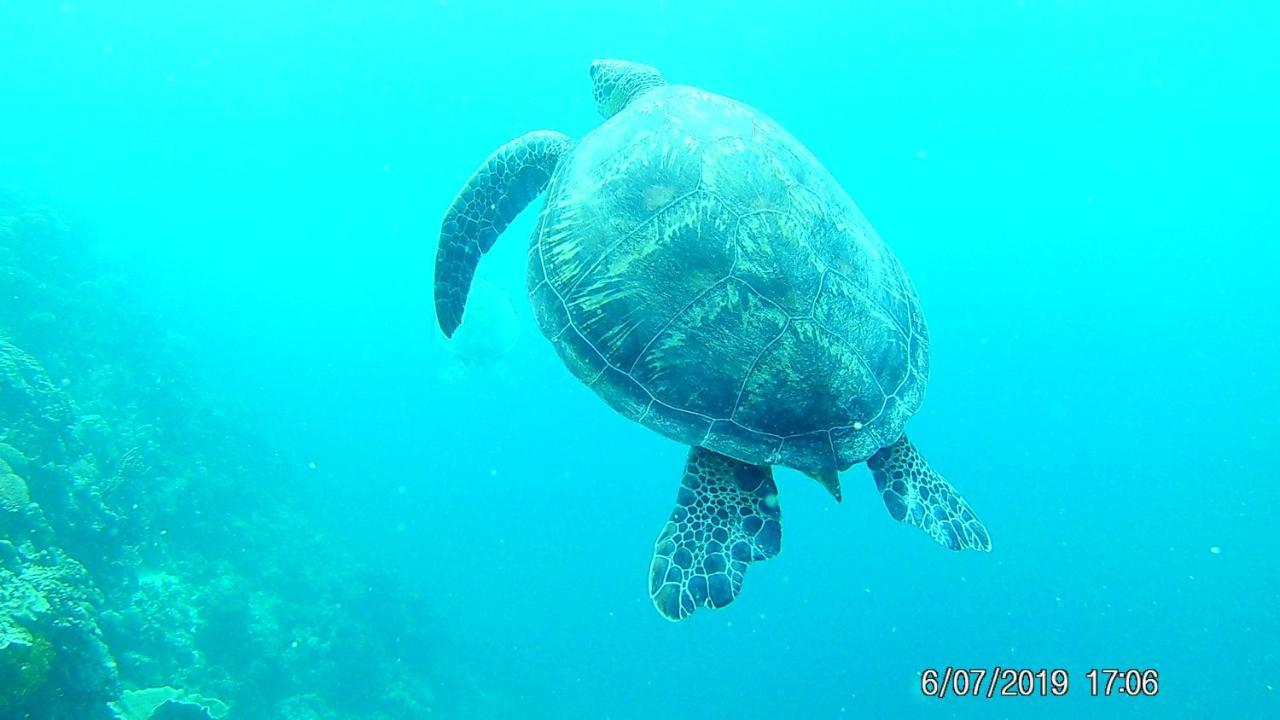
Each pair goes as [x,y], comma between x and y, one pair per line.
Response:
[726,516]
[497,191]
[917,495]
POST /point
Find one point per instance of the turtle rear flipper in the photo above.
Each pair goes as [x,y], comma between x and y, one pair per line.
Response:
[726,516]
[497,191]
[917,495]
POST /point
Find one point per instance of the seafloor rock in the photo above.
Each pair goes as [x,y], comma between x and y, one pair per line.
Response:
[20,519]
[38,422]
[305,707]
[154,632]
[35,414]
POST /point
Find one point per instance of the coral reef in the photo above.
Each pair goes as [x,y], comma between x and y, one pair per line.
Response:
[25,660]
[147,543]
[53,661]
[150,703]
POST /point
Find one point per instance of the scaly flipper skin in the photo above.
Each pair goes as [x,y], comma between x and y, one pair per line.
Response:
[917,495]
[726,516]
[497,191]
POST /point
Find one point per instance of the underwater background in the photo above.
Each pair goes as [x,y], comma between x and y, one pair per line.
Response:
[241,471]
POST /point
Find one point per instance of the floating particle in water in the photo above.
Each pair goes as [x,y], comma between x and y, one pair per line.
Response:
[1215,550]
[311,465]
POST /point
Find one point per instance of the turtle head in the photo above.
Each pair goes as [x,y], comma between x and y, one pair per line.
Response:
[617,82]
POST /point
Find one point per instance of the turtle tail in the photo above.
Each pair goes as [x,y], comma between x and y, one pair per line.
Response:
[493,196]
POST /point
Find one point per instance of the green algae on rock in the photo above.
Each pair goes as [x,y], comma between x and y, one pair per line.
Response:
[25,660]
[53,662]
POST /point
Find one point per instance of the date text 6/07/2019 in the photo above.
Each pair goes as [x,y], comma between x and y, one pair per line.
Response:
[1043,682]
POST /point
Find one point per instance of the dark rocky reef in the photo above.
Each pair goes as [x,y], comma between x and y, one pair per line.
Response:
[147,542]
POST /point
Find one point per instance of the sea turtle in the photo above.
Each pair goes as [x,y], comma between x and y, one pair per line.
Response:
[702,272]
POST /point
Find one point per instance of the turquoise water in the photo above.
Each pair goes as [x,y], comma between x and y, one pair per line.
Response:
[1082,193]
